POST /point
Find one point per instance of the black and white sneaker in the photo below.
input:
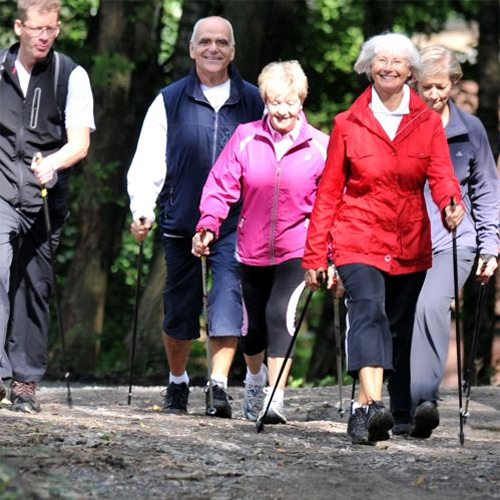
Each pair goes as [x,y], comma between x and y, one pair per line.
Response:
[221,406]
[379,421]
[425,420]
[401,429]
[176,398]
[357,427]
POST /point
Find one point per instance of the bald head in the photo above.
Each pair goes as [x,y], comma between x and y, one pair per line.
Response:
[213,20]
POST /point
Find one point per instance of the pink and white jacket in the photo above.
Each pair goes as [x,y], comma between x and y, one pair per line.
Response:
[277,196]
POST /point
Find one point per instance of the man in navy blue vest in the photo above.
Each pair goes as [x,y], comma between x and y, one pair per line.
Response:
[47,114]
[185,129]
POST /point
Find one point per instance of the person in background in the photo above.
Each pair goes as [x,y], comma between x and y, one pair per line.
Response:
[184,130]
[475,169]
[35,117]
[274,165]
[465,95]
[371,211]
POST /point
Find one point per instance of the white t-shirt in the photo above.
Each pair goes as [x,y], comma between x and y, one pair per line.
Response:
[148,169]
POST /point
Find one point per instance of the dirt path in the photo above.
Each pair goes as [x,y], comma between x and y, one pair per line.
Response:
[104,449]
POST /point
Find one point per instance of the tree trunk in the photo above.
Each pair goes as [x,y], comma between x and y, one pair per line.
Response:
[124,75]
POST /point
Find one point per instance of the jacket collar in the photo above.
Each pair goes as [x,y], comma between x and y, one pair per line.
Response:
[304,134]
[194,91]
[37,68]
[456,125]
[360,111]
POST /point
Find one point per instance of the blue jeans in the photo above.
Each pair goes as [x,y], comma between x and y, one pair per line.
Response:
[183,295]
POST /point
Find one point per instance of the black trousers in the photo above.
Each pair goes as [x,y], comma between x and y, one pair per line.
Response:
[381,312]
[271,296]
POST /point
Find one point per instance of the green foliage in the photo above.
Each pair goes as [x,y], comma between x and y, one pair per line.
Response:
[108,69]
[125,262]
[330,49]
[170,19]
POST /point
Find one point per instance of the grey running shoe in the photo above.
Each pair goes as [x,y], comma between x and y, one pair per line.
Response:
[176,398]
[221,403]
[357,427]
[425,420]
[254,400]
[23,397]
[379,421]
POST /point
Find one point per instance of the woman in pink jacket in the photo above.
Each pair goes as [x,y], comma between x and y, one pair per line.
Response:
[274,165]
[371,210]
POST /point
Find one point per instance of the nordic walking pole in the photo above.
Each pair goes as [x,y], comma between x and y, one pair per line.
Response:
[338,349]
[260,421]
[353,393]
[204,277]
[457,325]
[470,365]
[38,158]
[136,314]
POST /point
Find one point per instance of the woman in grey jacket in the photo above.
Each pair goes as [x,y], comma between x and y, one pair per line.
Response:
[477,235]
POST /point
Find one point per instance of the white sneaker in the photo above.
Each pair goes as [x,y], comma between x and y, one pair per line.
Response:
[254,399]
[275,414]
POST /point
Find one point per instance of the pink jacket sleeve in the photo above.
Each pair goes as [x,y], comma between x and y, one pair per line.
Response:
[222,187]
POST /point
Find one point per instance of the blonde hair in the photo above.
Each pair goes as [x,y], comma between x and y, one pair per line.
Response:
[394,43]
[286,73]
[438,60]
[40,5]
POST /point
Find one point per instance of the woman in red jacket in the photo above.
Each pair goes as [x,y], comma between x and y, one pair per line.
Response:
[370,210]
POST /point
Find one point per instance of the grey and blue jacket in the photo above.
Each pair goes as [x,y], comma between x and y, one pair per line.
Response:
[476,172]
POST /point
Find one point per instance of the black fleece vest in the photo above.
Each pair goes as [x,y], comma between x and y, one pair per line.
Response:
[31,124]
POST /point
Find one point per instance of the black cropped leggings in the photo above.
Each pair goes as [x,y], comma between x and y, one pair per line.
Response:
[270,296]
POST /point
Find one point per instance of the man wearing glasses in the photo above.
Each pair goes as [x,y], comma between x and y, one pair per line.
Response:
[46,107]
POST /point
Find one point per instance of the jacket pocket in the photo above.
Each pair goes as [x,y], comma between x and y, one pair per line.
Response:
[415,238]
[352,235]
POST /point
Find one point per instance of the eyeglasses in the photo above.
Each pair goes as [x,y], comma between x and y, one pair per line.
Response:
[38,30]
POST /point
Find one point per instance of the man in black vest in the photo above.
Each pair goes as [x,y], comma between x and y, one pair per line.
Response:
[184,131]
[47,108]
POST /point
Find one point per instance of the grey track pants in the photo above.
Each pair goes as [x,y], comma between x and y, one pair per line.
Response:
[25,287]
[431,330]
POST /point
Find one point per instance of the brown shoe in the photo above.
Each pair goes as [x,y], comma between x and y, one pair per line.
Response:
[23,397]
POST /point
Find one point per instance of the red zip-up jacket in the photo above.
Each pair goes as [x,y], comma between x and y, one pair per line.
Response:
[370,206]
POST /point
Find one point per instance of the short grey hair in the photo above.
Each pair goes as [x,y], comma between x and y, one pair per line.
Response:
[438,60]
[196,26]
[288,73]
[394,43]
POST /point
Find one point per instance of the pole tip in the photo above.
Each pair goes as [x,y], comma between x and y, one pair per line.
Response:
[259,426]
